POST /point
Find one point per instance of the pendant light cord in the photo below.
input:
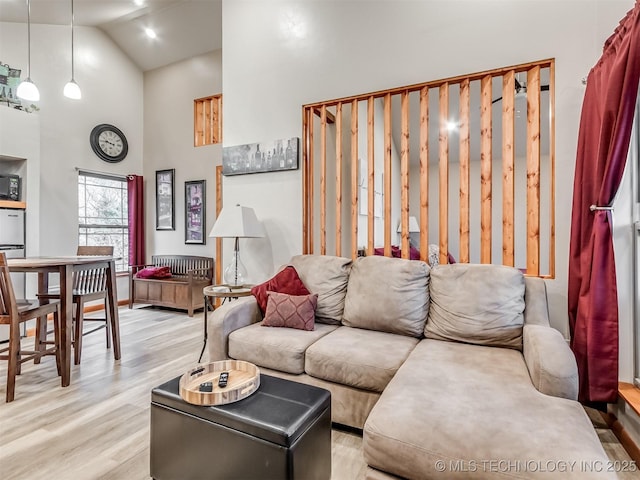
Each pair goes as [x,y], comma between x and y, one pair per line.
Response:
[72,69]
[29,39]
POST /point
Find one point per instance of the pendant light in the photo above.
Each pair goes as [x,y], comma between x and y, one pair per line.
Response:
[71,89]
[27,90]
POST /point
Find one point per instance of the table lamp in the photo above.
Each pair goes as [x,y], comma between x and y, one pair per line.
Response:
[413,227]
[236,222]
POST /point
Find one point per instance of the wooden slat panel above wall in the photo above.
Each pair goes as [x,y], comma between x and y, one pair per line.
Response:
[207,120]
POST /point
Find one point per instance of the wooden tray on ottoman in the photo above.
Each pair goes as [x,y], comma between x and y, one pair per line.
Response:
[244,379]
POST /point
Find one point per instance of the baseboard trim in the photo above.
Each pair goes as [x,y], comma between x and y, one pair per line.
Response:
[623,437]
[88,309]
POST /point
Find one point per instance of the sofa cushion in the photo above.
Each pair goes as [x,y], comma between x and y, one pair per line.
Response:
[278,348]
[285,281]
[479,304]
[359,358]
[388,295]
[290,311]
[468,404]
[327,276]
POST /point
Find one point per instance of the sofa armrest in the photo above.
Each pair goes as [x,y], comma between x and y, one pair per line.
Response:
[550,361]
[227,318]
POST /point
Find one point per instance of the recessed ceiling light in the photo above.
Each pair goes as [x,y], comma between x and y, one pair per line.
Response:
[139,2]
[451,126]
[150,32]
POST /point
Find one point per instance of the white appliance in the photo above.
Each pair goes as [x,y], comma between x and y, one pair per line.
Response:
[12,244]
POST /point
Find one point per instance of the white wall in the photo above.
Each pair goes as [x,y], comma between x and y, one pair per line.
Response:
[279,55]
[112,93]
[168,143]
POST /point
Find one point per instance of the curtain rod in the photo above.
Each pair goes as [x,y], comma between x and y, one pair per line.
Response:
[102,174]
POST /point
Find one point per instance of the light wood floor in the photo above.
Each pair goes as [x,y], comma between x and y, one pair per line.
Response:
[98,427]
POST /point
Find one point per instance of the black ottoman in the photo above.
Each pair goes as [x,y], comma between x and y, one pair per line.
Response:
[282,431]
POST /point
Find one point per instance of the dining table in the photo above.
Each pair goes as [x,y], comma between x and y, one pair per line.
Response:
[65,266]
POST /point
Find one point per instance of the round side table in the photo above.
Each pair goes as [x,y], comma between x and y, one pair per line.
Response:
[226,293]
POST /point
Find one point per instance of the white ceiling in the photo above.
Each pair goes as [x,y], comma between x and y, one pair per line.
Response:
[184,28]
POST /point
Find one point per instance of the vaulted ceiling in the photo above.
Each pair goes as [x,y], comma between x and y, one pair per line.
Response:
[184,28]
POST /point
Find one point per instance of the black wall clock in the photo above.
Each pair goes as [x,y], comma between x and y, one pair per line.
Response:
[109,143]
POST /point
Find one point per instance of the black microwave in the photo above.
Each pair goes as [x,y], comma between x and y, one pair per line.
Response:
[9,187]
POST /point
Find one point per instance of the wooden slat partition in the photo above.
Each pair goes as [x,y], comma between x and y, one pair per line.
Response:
[475,199]
[533,171]
[508,167]
[424,173]
[338,122]
[354,179]
[370,175]
[218,209]
[552,166]
[485,168]
[465,159]
[443,178]
[404,174]
[323,180]
[387,175]
[307,124]
[310,186]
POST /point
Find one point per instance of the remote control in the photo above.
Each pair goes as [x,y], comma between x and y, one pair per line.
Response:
[222,381]
[206,387]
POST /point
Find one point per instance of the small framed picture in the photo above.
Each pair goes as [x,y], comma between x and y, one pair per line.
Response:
[165,211]
[194,214]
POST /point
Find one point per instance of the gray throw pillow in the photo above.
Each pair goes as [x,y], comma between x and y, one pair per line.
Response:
[327,276]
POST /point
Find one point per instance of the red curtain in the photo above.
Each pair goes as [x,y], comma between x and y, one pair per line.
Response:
[603,145]
[135,194]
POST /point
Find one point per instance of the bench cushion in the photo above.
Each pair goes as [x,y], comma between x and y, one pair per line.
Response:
[447,392]
[388,295]
[359,358]
[278,348]
[154,272]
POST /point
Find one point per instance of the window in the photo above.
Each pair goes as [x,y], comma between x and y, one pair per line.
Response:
[207,121]
[102,214]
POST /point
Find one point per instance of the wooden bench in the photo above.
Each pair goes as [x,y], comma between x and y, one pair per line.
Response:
[183,290]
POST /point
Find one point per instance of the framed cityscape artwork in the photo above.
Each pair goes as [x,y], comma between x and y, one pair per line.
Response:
[274,156]
[194,215]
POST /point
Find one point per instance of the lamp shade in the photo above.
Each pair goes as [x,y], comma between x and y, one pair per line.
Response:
[237,221]
[413,225]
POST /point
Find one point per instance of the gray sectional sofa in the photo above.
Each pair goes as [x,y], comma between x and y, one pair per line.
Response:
[451,372]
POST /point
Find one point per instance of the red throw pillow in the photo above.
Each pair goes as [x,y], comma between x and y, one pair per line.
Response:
[285,281]
[154,272]
[290,311]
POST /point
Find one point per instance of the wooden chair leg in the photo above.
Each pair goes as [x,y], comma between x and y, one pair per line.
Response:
[41,336]
[79,317]
[107,320]
[14,360]
[57,339]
